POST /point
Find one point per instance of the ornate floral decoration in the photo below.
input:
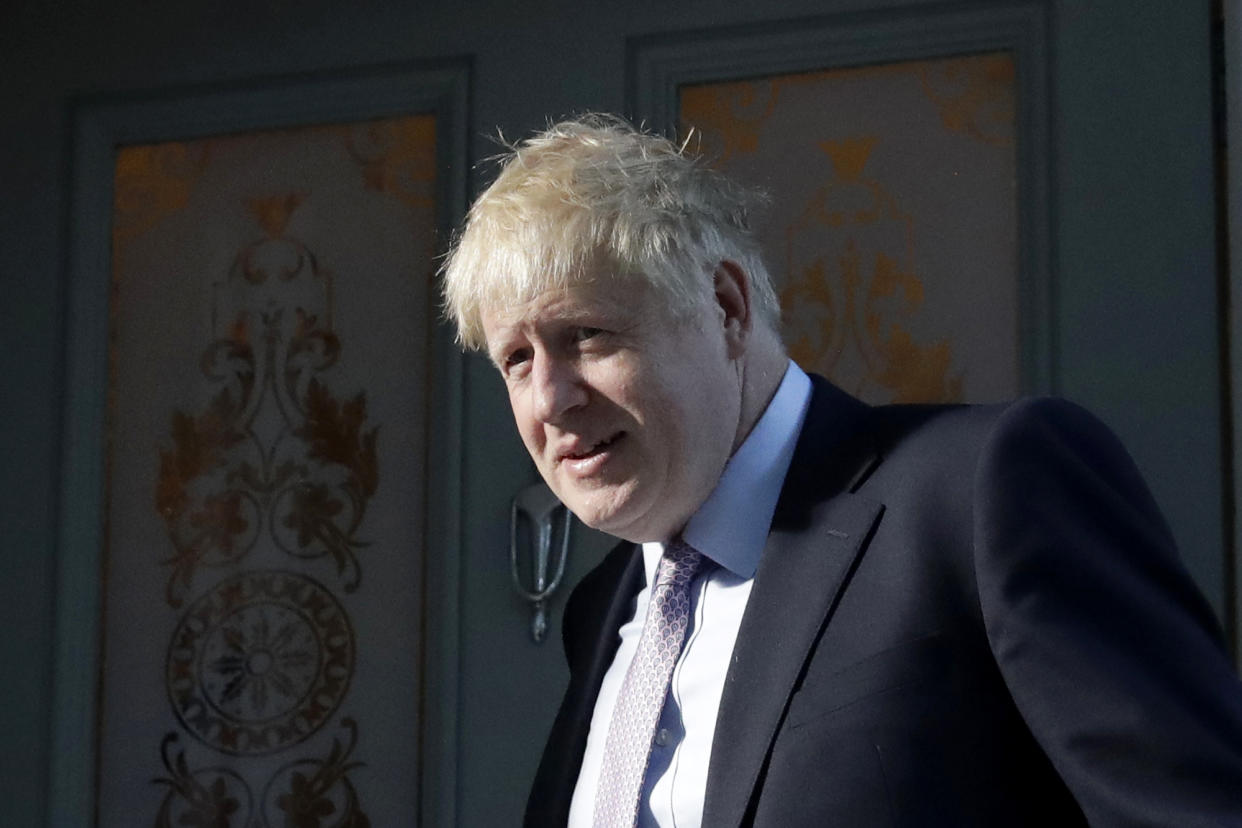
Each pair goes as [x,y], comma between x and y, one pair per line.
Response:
[305,793]
[974,94]
[397,156]
[853,294]
[212,797]
[267,471]
[853,288]
[726,118]
[260,662]
[151,183]
[275,450]
[317,793]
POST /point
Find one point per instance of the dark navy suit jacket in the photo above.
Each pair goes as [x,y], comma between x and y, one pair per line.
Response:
[963,616]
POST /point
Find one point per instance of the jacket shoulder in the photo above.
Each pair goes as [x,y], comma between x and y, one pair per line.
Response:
[958,434]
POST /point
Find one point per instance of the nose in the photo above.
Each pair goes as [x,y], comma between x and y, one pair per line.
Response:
[558,387]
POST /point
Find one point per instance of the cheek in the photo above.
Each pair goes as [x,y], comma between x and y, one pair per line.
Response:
[527,426]
[677,431]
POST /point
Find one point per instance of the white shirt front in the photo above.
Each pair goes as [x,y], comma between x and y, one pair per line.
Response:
[730,528]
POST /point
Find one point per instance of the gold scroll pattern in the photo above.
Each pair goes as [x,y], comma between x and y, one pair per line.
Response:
[852,289]
[315,792]
[974,95]
[276,455]
[397,157]
[852,297]
[277,461]
[152,182]
[724,120]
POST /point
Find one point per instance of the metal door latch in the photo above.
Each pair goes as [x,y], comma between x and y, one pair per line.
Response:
[537,507]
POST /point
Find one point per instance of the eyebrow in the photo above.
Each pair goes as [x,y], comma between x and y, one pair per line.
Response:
[495,356]
[491,351]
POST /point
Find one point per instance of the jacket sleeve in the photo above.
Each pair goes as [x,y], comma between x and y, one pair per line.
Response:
[1111,654]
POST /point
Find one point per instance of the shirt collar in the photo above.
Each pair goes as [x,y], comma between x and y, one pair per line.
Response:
[731,527]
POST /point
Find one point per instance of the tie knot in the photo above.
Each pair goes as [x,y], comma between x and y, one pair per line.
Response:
[678,565]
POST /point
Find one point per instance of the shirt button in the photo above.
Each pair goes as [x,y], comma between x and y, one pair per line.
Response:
[661,738]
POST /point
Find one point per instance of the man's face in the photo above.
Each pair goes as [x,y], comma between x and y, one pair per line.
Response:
[629,414]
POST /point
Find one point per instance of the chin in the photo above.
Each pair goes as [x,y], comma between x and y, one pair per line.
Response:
[618,516]
[604,520]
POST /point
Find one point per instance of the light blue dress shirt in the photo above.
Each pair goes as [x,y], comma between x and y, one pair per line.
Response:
[730,528]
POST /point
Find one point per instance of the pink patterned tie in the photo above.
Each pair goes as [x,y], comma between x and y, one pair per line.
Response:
[630,733]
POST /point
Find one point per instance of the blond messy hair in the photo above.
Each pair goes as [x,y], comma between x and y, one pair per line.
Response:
[596,197]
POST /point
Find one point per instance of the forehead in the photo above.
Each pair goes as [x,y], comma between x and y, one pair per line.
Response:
[607,297]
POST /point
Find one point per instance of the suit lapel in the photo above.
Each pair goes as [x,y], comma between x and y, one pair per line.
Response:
[818,532]
[603,602]
[616,597]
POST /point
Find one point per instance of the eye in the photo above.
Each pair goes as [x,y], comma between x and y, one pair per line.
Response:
[515,359]
[584,333]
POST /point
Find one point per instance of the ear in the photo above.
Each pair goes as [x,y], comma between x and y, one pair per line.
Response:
[732,286]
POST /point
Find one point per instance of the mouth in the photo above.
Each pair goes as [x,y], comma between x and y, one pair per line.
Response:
[585,453]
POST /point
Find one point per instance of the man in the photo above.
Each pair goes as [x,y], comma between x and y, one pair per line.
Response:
[823,613]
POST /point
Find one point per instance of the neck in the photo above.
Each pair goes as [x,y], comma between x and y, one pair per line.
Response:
[761,374]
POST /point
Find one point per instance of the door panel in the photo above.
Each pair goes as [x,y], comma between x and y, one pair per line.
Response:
[261,645]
